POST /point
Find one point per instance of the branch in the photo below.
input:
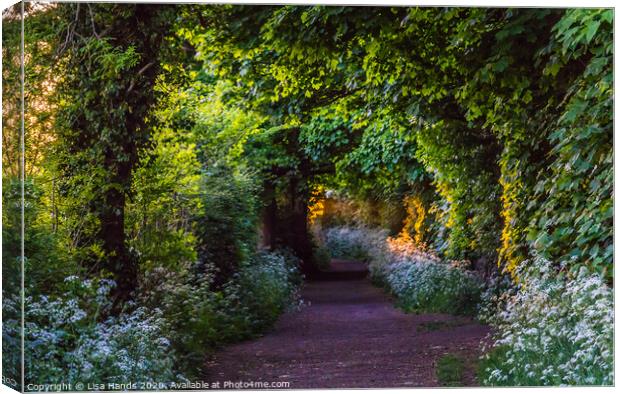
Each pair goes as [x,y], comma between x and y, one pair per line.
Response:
[329,97]
[92,20]
[70,32]
[140,72]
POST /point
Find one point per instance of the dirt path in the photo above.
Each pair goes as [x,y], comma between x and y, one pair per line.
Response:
[349,335]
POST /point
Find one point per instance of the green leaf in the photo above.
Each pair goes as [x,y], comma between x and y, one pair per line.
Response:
[591,30]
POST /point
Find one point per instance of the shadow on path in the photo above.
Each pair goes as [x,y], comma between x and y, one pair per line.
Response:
[349,335]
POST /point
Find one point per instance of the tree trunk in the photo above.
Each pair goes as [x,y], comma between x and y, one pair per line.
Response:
[269,217]
[299,238]
[119,260]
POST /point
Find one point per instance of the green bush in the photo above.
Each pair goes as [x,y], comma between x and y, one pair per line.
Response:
[47,261]
[267,286]
[226,228]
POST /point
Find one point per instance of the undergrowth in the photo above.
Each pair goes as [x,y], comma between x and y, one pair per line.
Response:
[554,329]
[162,337]
[450,370]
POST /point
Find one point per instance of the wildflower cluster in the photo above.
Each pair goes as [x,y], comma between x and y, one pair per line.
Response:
[11,338]
[352,243]
[162,337]
[423,283]
[426,286]
[68,339]
[419,279]
[555,329]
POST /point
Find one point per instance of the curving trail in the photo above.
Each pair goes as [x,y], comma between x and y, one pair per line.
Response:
[349,335]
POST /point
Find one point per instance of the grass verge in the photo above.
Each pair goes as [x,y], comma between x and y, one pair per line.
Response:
[440,325]
[450,370]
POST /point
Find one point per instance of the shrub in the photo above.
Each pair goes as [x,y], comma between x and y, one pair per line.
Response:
[196,315]
[46,259]
[268,286]
[554,330]
[226,228]
[165,199]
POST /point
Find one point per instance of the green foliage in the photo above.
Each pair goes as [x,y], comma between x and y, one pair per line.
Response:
[573,199]
[46,260]
[166,198]
[226,229]
[11,91]
[450,370]
[105,98]
[467,186]
[40,43]
[486,99]
[11,234]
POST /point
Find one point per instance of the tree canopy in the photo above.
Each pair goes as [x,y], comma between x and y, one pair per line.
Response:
[180,157]
[482,114]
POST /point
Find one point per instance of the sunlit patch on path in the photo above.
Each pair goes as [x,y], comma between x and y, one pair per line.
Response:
[349,335]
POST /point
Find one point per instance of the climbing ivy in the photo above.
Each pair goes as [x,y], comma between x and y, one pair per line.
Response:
[573,202]
[112,54]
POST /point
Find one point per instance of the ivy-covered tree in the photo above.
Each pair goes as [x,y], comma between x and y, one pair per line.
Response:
[112,54]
